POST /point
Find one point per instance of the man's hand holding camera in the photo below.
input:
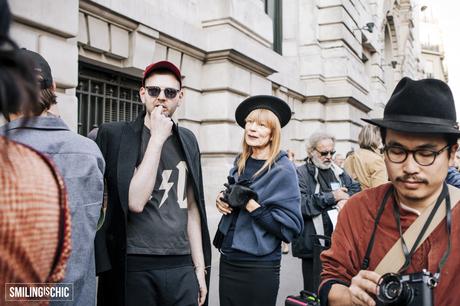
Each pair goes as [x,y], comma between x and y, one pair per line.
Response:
[363,287]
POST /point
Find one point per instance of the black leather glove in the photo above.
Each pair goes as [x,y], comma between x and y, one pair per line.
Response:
[240,194]
[228,188]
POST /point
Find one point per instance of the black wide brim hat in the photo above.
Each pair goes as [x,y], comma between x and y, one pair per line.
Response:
[280,108]
[424,106]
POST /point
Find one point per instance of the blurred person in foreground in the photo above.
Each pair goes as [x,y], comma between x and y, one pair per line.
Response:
[34,218]
[260,207]
[365,165]
[419,130]
[81,165]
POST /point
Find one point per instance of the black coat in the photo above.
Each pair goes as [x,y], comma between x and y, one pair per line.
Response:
[313,204]
[120,144]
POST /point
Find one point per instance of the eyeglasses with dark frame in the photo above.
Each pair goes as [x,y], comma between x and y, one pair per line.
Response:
[423,157]
[325,153]
[154,91]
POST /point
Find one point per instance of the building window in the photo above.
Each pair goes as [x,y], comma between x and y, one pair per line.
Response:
[105,96]
[273,8]
[429,69]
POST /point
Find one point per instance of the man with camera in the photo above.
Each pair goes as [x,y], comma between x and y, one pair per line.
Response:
[409,227]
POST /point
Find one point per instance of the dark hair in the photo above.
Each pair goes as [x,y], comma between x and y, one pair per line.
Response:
[383,134]
[47,97]
[18,85]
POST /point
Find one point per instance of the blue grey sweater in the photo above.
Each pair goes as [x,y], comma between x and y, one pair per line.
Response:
[278,192]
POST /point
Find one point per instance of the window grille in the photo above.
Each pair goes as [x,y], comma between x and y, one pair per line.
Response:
[105,96]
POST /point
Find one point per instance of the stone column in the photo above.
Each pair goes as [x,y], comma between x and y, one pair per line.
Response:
[40,26]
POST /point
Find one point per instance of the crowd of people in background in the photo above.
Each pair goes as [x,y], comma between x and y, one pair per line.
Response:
[149,243]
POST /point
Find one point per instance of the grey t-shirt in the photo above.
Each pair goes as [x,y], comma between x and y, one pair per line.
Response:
[161,228]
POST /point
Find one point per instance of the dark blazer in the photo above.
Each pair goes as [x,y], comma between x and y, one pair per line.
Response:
[120,144]
[313,204]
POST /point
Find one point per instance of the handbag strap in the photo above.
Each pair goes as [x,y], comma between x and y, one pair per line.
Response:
[394,258]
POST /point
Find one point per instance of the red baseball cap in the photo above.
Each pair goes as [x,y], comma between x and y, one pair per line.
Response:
[162,65]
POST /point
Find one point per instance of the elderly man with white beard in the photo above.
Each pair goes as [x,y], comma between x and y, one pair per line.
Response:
[324,189]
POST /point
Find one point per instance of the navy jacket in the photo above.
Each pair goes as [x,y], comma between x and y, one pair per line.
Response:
[120,144]
[277,190]
[314,204]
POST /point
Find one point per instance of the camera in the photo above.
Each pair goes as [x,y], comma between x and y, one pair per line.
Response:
[410,289]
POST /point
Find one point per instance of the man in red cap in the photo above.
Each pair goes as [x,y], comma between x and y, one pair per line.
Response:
[409,227]
[154,246]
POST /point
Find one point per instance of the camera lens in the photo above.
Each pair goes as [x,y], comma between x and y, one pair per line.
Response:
[389,288]
[392,291]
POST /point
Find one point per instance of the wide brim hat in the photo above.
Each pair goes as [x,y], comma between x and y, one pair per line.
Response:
[280,108]
[423,106]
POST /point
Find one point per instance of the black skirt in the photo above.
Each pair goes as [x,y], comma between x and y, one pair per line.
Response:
[248,283]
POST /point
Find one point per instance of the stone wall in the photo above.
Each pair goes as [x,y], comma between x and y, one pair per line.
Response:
[332,71]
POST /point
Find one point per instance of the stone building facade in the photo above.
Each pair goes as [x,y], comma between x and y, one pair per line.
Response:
[333,61]
[432,45]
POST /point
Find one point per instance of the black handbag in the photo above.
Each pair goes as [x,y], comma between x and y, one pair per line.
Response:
[305,298]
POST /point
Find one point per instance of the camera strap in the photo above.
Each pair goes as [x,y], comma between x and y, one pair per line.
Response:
[366,260]
[444,196]
[395,257]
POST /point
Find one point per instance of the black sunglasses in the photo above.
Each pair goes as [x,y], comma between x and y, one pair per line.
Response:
[325,153]
[154,91]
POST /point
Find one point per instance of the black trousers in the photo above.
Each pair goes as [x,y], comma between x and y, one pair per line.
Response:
[248,283]
[310,281]
[162,287]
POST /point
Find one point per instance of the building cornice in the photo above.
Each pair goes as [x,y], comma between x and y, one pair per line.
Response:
[104,13]
[240,59]
[186,48]
[238,26]
[352,101]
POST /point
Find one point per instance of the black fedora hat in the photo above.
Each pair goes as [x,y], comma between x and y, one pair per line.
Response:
[424,106]
[280,108]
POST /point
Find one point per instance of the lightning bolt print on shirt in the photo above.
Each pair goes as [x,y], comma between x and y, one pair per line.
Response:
[161,228]
[166,185]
